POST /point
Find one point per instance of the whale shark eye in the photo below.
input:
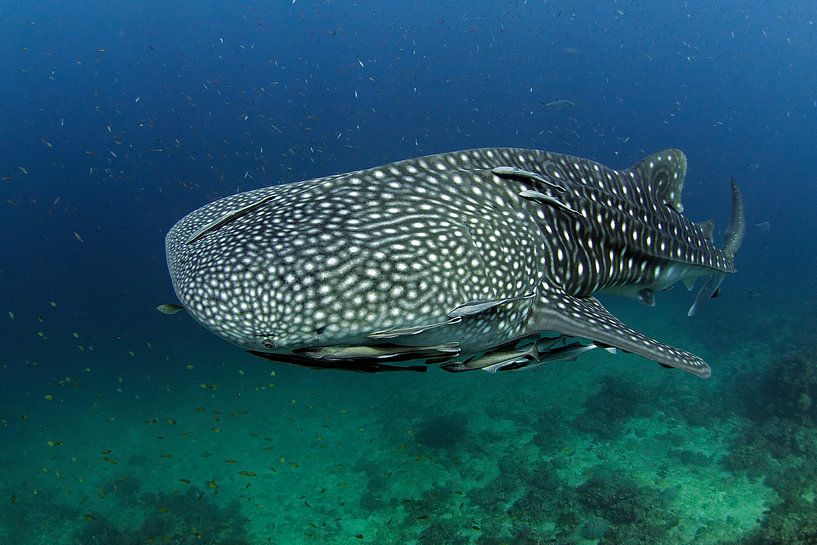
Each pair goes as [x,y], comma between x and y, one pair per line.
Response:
[268,343]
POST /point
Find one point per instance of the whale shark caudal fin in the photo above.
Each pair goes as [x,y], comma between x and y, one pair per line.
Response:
[731,245]
[587,318]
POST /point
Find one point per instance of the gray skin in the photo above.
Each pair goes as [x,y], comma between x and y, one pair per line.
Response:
[478,259]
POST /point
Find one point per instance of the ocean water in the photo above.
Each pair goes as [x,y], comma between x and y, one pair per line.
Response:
[120,425]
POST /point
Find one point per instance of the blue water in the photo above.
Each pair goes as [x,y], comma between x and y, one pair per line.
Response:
[117,118]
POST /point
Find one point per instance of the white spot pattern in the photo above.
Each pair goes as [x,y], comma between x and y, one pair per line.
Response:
[328,261]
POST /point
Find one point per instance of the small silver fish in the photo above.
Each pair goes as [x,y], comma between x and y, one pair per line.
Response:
[560,103]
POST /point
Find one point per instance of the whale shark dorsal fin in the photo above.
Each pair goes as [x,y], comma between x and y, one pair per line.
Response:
[662,176]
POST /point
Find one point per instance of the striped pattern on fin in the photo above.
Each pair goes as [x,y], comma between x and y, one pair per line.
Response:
[662,176]
[635,209]
[587,318]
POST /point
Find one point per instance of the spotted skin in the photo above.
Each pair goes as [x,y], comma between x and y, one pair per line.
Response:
[477,249]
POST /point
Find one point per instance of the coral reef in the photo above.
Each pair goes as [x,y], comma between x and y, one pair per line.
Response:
[607,411]
[608,507]
[690,457]
[637,514]
[40,509]
[441,532]
[552,431]
[779,443]
[545,499]
[181,519]
[375,497]
[790,523]
[442,432]
[788,390]
[435,502]
[782,419]
[595,528]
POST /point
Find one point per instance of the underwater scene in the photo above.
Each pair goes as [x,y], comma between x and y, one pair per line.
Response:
[462,341]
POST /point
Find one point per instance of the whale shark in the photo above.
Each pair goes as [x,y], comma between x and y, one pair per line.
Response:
[484,259]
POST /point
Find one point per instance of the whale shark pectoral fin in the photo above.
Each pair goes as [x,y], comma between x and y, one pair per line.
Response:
[587,318]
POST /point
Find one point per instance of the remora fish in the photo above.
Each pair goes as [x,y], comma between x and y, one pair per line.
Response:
[478,259]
